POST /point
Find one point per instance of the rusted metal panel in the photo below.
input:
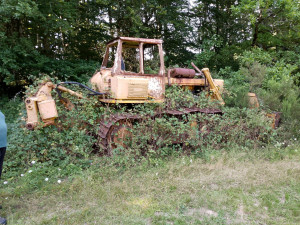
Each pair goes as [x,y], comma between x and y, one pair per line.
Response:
[180,72]
[113,42]
[156,87]
[32,113]
[162,63]
[253,101]
[118,57]
[174,112]
[129,73]
[187,81]
[144,40]
[275,116]
[101,80]
[141,49]
[106,55]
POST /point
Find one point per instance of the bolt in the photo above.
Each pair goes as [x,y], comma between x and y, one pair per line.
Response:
[29,126]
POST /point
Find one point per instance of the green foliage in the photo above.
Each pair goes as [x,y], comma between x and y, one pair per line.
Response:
[177,97]
[68,142]
[273,77]
[273,23]
[166,136]
[64,39]
[236,127]
[236,88]
[10,108]
[74,141]
[256,55]
[207,55]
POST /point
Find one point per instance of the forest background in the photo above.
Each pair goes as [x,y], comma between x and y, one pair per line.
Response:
[252,45]
[66,39]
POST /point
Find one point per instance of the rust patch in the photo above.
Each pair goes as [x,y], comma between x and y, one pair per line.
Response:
[156,87]
[275,116]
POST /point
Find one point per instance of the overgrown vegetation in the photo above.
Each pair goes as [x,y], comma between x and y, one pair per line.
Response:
[71,144]
[252,45]
[274,77]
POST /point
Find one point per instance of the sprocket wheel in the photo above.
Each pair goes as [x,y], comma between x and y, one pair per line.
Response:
[119,135]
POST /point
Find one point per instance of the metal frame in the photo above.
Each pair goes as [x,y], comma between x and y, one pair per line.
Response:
[136,43]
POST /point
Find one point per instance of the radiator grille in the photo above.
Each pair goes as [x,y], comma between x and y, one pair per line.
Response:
[138,90]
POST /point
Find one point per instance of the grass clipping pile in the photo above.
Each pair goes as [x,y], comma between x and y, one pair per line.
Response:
[74,141]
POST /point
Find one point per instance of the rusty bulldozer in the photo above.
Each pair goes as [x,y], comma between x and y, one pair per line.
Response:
[144,80]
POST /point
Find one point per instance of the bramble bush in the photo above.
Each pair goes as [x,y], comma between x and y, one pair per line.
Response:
[172,136]
[274,77]
[71,144]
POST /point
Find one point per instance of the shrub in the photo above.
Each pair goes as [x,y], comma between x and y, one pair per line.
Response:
[73,141]
[273,77]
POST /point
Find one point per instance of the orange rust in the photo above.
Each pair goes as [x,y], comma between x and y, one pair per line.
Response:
[253,101]
[275,116]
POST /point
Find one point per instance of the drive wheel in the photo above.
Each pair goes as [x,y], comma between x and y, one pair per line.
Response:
[119,135]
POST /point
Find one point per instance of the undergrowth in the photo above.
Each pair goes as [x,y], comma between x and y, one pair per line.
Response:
[274,77]
[71,145]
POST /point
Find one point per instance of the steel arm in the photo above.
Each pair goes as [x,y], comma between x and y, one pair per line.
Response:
[44,105]
[213,87]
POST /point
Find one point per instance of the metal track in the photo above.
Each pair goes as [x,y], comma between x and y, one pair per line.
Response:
[107,125]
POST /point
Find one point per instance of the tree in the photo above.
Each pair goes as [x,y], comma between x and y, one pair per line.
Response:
[274,23]
[168,20]
[219,33]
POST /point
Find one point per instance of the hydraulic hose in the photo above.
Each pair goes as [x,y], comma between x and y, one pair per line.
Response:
[80,85]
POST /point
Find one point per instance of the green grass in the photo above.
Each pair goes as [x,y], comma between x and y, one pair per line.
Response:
[231,188]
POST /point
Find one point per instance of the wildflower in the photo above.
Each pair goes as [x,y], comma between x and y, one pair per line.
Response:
[295,139]
[33,162]
[191,161]
[156,174]
[46,179]
[5,182]
[22,175]
[59,181]
[30,171]
[59,169]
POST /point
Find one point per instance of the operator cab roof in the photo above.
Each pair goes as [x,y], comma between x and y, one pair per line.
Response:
[130,42]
